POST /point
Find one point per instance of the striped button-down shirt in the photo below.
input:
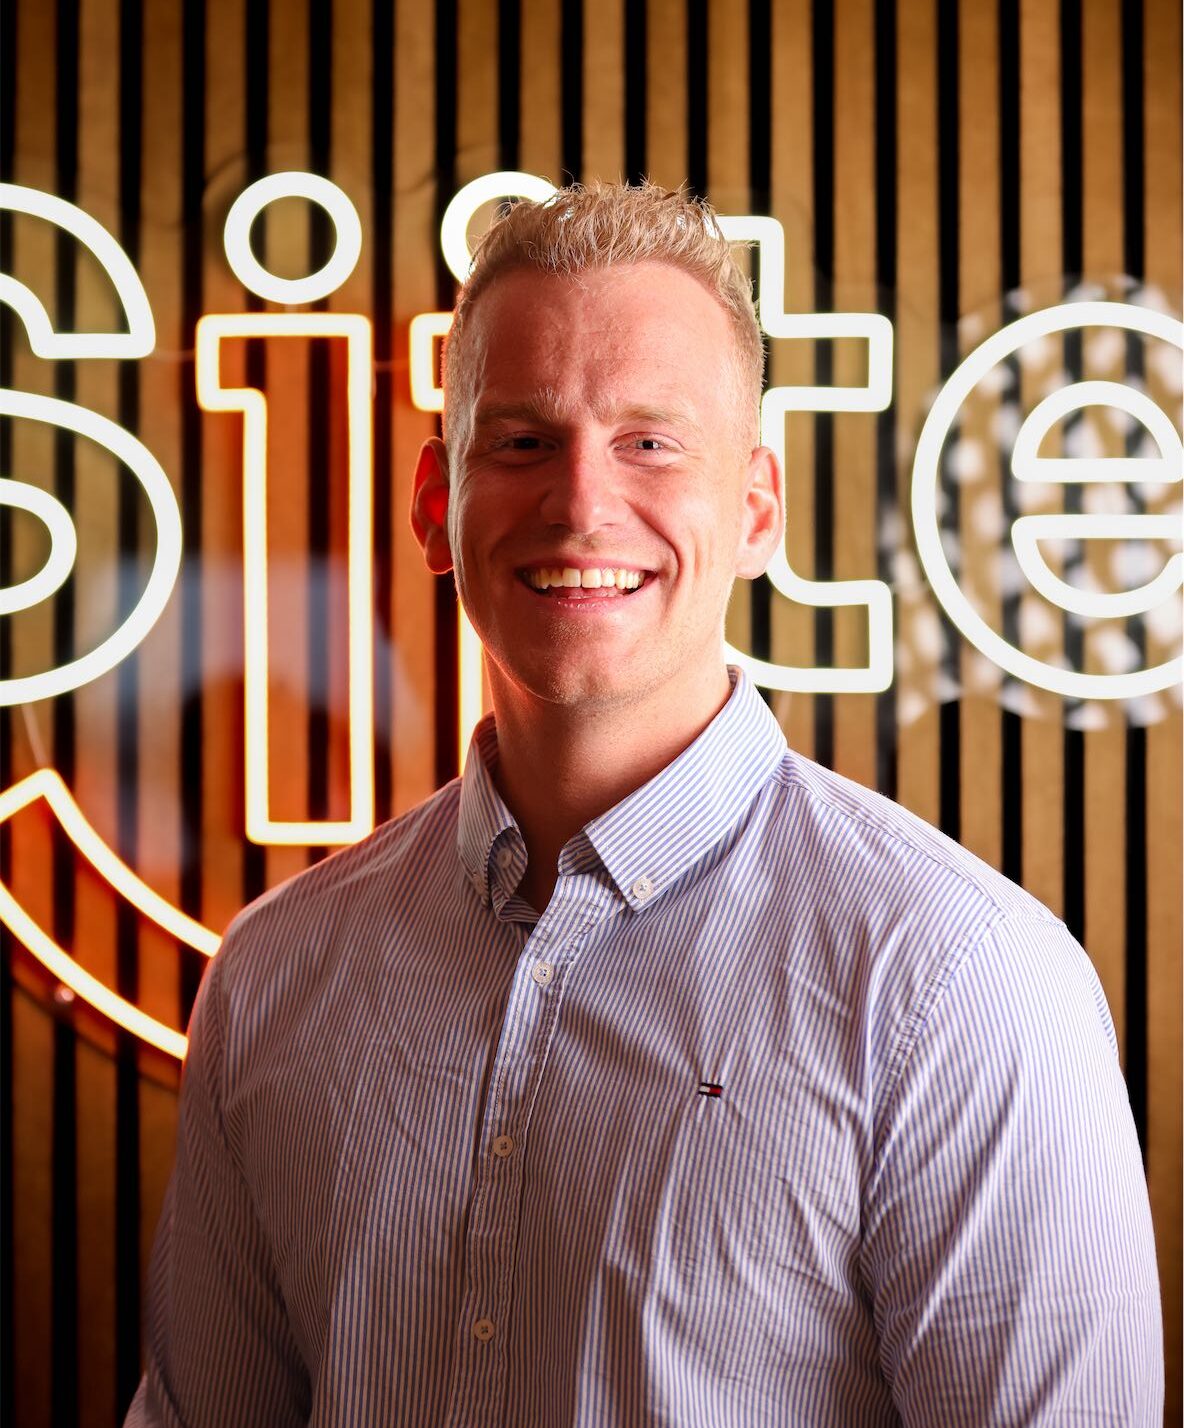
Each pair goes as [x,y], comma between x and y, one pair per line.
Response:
[786,1111]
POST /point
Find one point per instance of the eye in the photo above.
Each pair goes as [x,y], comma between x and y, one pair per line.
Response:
[512,445]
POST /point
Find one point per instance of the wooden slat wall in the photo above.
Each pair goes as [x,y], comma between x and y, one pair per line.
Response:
[928,160]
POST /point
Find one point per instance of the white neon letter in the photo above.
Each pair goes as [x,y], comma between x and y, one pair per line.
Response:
[137,341]
[776,403]
[1027,530]
[212,396]
[293,184]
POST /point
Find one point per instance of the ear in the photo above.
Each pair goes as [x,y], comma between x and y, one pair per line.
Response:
[429,506]
[762,522]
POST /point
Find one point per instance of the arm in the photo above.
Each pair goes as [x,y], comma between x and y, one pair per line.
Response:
[1008,1241]
[218,1347]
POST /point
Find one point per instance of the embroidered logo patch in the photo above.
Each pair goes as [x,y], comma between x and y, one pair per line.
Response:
[710,1088]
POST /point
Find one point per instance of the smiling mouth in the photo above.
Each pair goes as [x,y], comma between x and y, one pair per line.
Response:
[568,583]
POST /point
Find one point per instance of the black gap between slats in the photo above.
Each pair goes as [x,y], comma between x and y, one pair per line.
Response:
[382,160]
[1072,216]
[888,513]
[1011,793]
[698,96]
[948,164]
[322,394]
[193,163]
[446,659]
[571,84]
[62,1350]
[823,65]
[128,1270]
[257,66]
[8,88]
[1134,259]
[760,184]
[635,90]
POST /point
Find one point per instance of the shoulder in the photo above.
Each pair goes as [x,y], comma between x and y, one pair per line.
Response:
[893,910]
[862,838]
[309,916]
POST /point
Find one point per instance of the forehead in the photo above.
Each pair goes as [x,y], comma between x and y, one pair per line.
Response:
[647,331]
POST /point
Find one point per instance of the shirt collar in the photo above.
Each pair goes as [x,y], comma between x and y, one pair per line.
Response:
[661,829]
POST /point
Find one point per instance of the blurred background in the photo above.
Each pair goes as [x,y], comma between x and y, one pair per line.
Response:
[951,165]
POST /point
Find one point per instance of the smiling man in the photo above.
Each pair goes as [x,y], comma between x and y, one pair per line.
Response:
[648,1073]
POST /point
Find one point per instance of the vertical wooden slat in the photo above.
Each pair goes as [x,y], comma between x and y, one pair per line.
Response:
[604,90]
[476,112]
[1161,139]
[1040,249]
[980,503]
[854,291]
[415,247]
[287,252]
[221,537]
[791,363]
[918,639]
[666,92]
[32,260]
[540,137]
[726,108]
[159,719]
[1105,830]
[99,477]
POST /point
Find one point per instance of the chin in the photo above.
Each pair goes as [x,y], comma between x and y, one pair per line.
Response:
[568,680]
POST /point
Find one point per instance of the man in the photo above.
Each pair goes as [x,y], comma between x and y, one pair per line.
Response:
[649,1073]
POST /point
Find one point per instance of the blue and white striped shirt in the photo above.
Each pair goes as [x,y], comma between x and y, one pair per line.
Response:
[786,1111]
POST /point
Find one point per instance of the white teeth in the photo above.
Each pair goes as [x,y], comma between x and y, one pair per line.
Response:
[569,577]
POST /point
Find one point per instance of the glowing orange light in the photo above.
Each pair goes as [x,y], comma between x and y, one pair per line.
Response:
[47,784]
[213,396]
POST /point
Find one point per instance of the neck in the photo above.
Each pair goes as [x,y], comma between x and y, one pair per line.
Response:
[560,766]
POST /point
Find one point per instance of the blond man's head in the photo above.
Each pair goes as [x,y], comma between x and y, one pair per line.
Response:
[593,227]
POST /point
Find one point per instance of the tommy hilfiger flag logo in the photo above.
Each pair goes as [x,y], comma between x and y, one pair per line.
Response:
[709,1088]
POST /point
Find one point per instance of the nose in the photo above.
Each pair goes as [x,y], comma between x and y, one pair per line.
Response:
[582,493]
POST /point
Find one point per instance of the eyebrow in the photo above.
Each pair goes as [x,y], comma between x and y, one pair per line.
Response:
[546,410]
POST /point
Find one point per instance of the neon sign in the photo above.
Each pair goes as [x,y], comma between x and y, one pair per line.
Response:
[213,396]
[1028,533]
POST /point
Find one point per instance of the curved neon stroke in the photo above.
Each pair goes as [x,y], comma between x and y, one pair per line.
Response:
[212,396]
[1164,469]
[1028,531]
[165,565]
[1071,683]
[137,341]
[294,183]
[63,545]
[454,225]
[47,784]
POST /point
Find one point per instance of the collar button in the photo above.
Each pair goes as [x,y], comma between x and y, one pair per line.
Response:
[642,889]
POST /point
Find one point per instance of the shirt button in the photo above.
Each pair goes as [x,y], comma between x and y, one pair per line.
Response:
[542,972]
[483,1330]
[502,1146]
[642,888]
[505,856]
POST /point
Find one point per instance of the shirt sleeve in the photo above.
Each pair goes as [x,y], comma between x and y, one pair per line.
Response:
[218,1346]
[1008,1241]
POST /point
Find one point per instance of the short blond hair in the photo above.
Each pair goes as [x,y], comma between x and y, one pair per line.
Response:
[604,225]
